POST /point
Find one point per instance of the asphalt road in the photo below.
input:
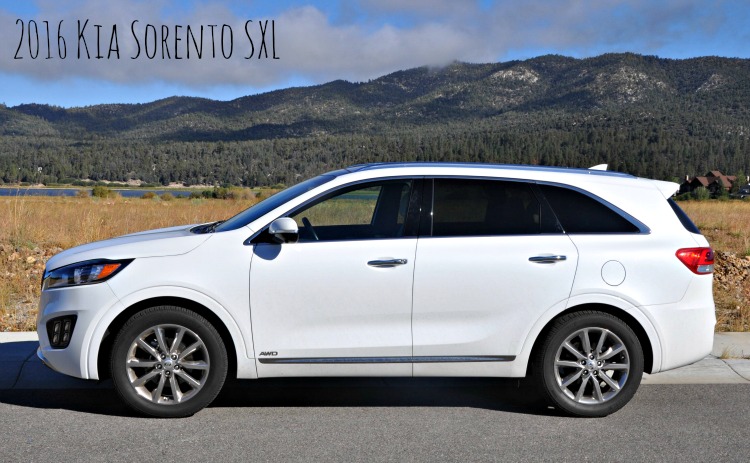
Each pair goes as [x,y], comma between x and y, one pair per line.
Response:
[378,420]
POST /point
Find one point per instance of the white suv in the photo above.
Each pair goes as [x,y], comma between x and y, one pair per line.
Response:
[579,278]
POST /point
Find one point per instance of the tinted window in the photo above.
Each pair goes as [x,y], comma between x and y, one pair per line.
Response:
[684,219]
[366,211]
[463,207]
[272,202]
[579,213]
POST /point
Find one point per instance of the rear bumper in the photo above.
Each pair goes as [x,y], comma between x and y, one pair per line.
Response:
[686,328]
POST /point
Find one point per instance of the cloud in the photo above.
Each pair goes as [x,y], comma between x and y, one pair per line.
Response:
[435,9]
[374,38]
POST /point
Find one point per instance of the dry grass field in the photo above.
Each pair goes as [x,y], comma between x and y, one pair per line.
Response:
[726,225]
[32,229]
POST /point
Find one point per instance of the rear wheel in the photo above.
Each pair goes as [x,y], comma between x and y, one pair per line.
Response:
[591,364]
[168,362]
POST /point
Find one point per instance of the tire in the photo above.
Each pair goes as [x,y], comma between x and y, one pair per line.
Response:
[590,364]
[168,362]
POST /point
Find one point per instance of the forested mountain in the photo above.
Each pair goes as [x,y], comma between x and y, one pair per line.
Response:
[652,117]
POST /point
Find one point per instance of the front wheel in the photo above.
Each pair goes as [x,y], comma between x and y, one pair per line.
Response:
[168,362]
[591,364]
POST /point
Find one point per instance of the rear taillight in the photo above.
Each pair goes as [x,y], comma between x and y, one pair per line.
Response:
[698,260]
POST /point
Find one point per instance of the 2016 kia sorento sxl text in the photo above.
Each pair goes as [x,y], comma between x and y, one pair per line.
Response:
[580,278]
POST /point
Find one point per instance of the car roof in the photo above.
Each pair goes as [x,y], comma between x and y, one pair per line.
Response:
[473,165]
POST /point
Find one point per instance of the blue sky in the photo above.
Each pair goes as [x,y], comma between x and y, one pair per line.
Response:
[320,41]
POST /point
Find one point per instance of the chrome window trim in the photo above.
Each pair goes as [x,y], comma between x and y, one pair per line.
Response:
[412,178]
[642,228]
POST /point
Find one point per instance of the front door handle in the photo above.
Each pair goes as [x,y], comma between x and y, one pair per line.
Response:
[547,259]
[385,263]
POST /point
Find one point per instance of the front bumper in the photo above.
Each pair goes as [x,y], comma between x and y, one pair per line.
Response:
[40,356]
[89,303]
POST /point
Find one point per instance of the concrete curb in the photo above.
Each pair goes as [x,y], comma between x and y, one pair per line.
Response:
[21,369]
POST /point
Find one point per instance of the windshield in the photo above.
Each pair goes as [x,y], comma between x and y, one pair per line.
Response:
[271,203]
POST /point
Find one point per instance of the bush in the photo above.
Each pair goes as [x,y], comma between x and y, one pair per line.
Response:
[221,192]
[100,191]
[167,196]
[701,194]
[148,195]
[82,194]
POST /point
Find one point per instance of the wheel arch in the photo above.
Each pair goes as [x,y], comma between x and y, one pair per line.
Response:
[630,320]
[107,341]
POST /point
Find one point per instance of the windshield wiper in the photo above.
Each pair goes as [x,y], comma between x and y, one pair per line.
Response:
[208,228]
[212,228]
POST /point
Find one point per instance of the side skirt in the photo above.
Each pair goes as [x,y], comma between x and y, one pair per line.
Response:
[369,360]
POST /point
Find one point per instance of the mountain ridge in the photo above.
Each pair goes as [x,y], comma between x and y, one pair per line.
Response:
[695,104]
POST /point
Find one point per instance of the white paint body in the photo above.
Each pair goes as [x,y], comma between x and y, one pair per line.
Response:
[455,296]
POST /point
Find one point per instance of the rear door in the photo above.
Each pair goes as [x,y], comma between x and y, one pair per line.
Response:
[491,259]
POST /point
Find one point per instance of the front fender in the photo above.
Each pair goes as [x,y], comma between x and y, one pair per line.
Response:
[243,341]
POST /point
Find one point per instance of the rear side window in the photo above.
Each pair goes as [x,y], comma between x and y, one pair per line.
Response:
[684,219]
[470,207]
[579,213]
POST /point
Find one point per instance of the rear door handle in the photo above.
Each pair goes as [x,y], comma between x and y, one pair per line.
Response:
[384,263]
[547,259]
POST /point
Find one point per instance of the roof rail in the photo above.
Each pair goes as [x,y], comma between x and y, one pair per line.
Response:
[595,170]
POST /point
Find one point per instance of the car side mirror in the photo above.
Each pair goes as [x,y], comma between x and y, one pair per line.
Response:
[284,230]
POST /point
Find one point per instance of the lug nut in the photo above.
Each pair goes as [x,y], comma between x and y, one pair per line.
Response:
[599,363]
[163,356]
[585,372]
[176,367]
[583,362]
[167,373]
[595,373]
[591,356]
[158,366]
[174,356]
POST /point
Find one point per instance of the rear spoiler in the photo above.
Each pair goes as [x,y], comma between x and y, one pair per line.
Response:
[668,189]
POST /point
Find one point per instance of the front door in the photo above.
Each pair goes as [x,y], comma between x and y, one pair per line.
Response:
[338,301]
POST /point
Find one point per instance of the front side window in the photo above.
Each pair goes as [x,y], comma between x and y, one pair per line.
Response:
[267,205]
[366,211]
[475,207]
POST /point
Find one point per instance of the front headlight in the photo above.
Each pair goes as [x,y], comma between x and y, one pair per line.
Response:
[83,273]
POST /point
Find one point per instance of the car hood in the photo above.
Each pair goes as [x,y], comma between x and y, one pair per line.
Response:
[170,241]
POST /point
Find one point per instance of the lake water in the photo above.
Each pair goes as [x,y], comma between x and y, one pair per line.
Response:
[73,191]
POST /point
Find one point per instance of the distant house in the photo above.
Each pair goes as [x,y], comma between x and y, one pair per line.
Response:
[713,181]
